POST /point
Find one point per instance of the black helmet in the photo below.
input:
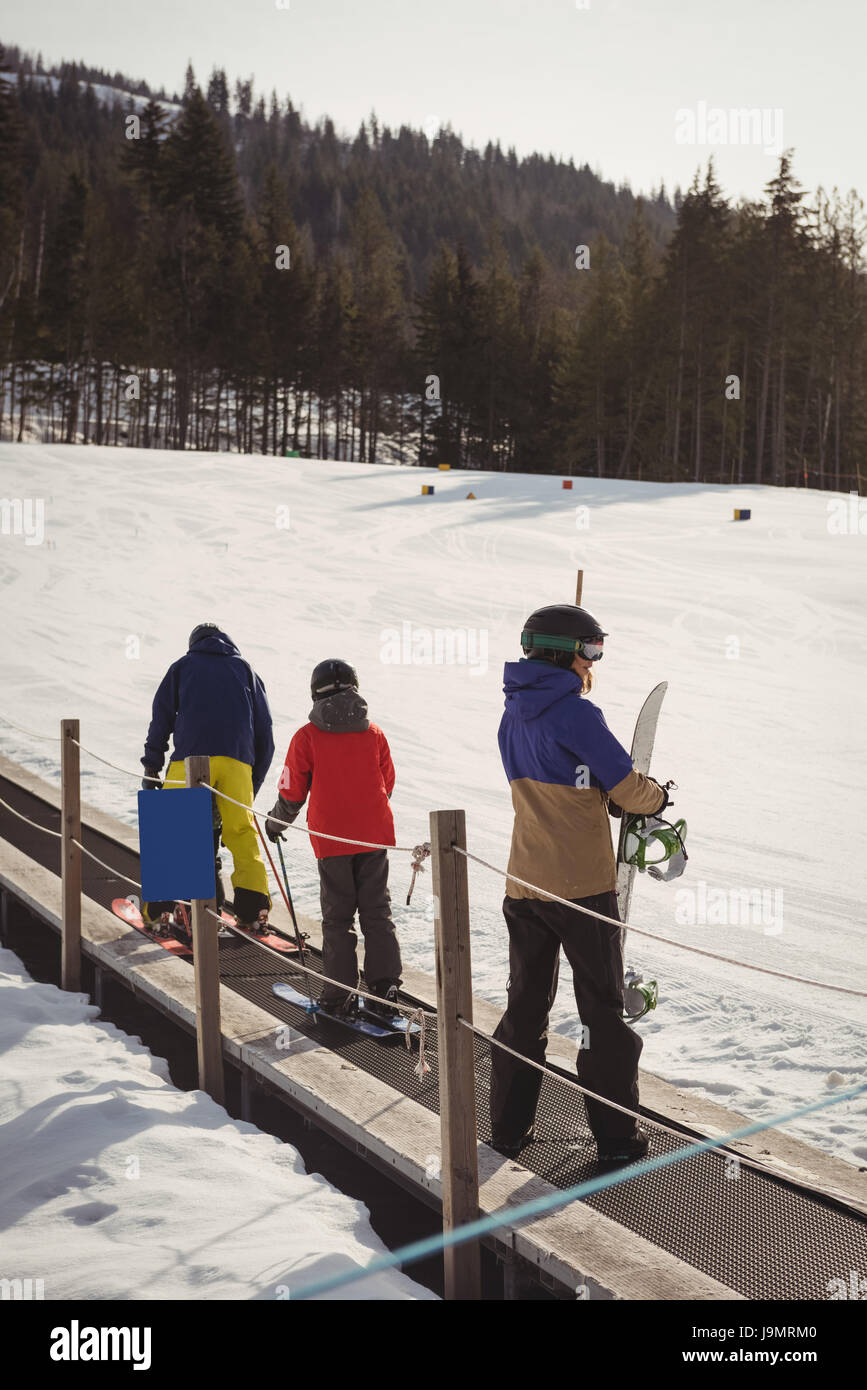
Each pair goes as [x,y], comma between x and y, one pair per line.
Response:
[559,632]
[203,630]
[332,675]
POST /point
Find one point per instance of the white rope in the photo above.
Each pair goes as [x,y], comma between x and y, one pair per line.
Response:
[46,738]
[166,782]
[417,1012]
[305,830]
[248,936]
[652,936]
[415,850]
[409,1009]
[57,833]
[292,963]
[115,873]
[566,1080]
[636,1115]
[421,1068]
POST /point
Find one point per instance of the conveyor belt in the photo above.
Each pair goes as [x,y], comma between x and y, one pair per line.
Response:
[753,1231]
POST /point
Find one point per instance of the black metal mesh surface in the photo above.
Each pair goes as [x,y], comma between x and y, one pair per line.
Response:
[752,1231]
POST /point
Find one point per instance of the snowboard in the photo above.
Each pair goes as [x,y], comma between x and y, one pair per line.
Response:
[398,1024]
[642,751]
[640,997]
[364,1024]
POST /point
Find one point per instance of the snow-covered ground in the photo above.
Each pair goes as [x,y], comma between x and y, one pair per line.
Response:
[760,627]
[117,1185]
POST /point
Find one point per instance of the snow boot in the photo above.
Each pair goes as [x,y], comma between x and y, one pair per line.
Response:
[510,1148]
[386,990]
[615,1153]
[257,926]
[343,1005]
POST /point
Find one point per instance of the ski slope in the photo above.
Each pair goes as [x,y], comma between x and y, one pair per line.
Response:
[759,627]
[117,1185]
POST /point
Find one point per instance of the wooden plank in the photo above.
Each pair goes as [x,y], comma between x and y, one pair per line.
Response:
[70,854]
[460,1167]
[206,964]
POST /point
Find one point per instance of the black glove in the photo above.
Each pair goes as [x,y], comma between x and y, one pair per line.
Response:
[666,801]
[151,780]
[614,809]
[278,818]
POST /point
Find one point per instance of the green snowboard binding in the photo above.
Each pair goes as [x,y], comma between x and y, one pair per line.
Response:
[639,996]
[650,842]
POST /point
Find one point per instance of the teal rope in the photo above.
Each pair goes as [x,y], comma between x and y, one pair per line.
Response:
[510,1216]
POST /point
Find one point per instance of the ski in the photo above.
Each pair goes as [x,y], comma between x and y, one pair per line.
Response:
[128,912]
[269,938]
[640,997]
[358,1025]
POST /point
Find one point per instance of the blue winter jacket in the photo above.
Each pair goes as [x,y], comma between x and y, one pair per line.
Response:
[561,759]
[215,705]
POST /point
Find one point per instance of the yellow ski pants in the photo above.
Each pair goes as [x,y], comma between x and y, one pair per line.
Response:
[239,830]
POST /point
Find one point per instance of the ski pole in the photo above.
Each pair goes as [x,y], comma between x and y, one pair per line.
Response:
[287,898]
[289,894]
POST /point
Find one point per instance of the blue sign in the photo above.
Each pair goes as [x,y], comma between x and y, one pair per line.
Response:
[176,842]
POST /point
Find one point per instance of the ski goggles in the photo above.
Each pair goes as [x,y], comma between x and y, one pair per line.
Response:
[590,648]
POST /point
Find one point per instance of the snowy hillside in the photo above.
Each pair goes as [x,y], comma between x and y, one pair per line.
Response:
[108,96]
[93,1136]
[760,628]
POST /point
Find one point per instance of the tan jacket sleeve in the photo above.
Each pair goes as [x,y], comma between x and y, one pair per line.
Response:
[638,793]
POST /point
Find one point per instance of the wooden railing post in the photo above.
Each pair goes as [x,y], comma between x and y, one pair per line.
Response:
[70,854]
[206,963]
[579,587]
[459,1160]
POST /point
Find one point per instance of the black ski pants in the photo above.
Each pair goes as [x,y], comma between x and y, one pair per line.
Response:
[608,1059]
[350,883]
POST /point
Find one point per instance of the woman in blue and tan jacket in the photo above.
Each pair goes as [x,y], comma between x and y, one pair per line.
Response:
[563,764]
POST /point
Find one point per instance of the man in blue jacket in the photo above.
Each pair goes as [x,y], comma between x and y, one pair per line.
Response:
[215,705]
[563,764]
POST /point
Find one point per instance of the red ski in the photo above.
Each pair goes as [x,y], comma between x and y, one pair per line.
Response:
[164,934]
[161,933]
[265,938]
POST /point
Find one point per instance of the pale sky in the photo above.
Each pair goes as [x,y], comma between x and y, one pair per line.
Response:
[601,81]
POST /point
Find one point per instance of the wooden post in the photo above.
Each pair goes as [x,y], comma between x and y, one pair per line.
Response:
[459,1159]
[246,1098]
[579,587]
[206,964]
[70,854]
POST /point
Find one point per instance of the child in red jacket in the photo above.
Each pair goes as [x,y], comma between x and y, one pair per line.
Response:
[343,762]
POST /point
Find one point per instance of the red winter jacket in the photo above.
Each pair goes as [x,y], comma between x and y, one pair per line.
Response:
[344,763]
